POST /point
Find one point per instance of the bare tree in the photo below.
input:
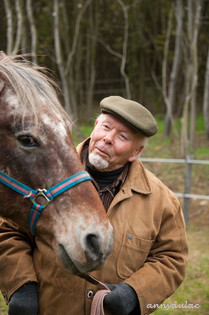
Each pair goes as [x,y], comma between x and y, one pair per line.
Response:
[14,33]
[65,67]
[125,45]
[18,7]
[10,34]
[168,87]
[32,29]
[122,56]
[206,97]
[76,35]
[191,76]
[59,59]
[90,71]
[170,100]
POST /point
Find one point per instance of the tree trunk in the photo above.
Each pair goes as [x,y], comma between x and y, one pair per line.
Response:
[206,97]
[194,53]
[9,26]
[187,134]
[175,68]
[125,46]
[59,60]
[68,72]
[90,59]
[18,6]
[32,29]
[76,34]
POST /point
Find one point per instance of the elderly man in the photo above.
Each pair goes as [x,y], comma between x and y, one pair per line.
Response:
[149,255]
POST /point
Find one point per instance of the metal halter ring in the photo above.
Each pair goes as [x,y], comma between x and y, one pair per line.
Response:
[41,192]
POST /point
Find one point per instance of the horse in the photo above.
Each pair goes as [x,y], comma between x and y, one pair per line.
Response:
[44,189]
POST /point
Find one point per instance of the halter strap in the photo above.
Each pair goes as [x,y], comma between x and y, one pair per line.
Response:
[49,194]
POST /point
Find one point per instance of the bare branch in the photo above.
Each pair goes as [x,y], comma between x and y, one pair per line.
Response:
[125,45]
[189,106]
[18,7]
[156,81]
[75,37]
[164,63]
[9,26]
[106,46]
[206,97]
[59,59]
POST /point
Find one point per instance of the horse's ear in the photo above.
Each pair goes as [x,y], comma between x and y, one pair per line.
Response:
[2,55]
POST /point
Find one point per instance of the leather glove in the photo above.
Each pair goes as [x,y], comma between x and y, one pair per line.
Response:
[122,300]
[24,301]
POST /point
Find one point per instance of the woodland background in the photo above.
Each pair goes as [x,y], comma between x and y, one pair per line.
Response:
[153,51]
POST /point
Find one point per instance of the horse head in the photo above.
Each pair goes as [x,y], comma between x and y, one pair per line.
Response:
[37,150]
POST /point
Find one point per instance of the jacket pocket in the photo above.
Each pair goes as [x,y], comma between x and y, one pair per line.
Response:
[132,255]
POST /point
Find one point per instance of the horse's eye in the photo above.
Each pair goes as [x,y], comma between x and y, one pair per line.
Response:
[27,141]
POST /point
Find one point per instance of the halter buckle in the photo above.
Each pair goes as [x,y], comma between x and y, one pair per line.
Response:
[41,192]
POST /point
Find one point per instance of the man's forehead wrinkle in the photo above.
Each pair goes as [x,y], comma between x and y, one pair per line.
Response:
[123,127]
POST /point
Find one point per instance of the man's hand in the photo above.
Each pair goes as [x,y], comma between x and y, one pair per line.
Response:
[122,300]
[24,301]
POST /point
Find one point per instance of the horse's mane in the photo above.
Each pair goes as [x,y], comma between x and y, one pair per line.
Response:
[31,83]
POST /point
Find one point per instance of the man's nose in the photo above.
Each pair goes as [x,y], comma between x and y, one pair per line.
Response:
[108,138]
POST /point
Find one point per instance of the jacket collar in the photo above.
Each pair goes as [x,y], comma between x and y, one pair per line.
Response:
[136,180]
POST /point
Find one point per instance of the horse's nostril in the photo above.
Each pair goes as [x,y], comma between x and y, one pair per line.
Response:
[93,245]
[92,242]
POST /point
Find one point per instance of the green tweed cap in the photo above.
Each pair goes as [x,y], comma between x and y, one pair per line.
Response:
[131,112]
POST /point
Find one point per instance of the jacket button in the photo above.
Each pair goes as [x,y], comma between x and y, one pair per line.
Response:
[90,294]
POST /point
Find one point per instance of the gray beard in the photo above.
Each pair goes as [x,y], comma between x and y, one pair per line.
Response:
[97,161]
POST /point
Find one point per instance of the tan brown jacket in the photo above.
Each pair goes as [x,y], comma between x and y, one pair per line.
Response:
[149,253]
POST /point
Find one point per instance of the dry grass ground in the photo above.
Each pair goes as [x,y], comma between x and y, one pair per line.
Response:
[194,291]
[195,288]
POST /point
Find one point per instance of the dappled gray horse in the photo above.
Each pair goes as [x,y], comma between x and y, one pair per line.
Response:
[43,187]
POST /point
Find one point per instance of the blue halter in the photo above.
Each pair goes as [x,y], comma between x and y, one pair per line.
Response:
[49,194]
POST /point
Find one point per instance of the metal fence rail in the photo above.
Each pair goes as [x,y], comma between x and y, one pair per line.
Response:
[187,183]
[192,196]
[185,161]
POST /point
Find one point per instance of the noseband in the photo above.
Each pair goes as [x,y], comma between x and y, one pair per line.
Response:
[49,194]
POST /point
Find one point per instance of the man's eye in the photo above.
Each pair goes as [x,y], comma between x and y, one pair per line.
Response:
[123,137]
[27,141]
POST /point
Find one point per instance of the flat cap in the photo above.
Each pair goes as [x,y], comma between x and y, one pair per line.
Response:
[131,112]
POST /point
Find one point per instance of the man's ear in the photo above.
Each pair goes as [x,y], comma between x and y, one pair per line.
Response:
[135,154]
[96,122]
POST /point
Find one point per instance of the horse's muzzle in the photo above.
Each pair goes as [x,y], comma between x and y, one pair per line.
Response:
[89,255]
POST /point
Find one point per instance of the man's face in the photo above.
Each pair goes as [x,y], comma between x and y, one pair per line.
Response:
[113,143]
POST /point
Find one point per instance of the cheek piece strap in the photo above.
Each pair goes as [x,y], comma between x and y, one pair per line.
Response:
[49,194]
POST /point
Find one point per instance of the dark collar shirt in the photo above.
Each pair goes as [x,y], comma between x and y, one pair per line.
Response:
[107,184]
